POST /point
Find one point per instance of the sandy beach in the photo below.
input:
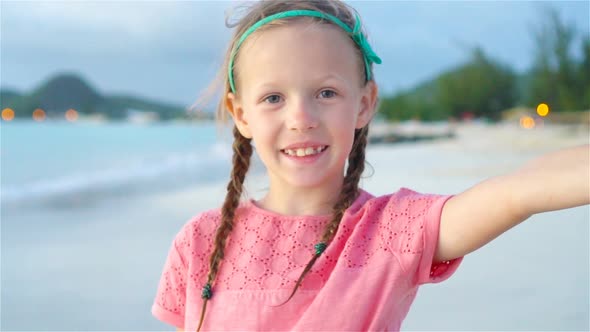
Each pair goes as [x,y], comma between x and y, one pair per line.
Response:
[104,262]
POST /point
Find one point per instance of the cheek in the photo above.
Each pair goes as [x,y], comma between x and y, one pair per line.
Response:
[344,127]
[344,135]
[346,120]
[264,135]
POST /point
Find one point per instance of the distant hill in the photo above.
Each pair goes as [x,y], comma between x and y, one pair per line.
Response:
[8,96]
[465,88]
[65,91]
[70,91]
[426,91]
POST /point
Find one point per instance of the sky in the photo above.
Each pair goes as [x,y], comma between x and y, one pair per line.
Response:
[169,51]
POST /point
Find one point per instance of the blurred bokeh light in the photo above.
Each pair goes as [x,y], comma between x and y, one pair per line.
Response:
[39,115]
[71,115]
[7,114]
[527,122]
[543,109]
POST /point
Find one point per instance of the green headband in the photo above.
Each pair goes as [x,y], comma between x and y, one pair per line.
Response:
[369,55]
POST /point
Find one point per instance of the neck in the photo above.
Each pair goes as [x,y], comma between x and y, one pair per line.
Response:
[302,201]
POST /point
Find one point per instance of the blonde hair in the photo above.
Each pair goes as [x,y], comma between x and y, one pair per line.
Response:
[242,148]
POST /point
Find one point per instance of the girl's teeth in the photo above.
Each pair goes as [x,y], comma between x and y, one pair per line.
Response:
[302,152]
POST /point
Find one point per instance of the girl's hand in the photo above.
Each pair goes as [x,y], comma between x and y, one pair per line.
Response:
[554,181]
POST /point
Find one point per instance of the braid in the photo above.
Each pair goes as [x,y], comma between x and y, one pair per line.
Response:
[356,166]
[241,162]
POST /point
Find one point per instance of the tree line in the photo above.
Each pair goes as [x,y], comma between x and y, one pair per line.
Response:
[484,87]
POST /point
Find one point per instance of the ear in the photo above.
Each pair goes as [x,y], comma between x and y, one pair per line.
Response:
[368,104]
[234,106]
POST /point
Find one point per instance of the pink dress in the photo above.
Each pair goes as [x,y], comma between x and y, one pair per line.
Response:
[366,279]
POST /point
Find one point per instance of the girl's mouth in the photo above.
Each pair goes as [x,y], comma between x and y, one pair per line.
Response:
[304,152]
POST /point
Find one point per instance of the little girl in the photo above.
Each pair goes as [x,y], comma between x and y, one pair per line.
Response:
[317,253]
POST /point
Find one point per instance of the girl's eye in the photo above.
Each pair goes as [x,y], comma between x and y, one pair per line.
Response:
[272,99]
[327,94]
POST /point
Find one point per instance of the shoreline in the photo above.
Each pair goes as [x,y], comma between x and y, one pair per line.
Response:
[414,131]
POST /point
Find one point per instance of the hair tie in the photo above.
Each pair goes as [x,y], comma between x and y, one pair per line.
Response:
[359,38]
[320,247]
[206,293]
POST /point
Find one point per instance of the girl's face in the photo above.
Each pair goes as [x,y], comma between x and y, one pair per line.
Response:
[300,97]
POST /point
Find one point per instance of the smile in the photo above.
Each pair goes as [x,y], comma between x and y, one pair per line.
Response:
[302,152]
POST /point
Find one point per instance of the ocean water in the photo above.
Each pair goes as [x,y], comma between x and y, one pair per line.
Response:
[45,162]
[84,232]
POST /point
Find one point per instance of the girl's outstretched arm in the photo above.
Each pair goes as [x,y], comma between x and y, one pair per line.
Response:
[554,181]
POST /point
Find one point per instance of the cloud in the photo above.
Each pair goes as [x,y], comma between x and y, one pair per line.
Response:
[112,27]
[170,49]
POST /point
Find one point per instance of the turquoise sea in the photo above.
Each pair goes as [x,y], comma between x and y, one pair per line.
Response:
[46,161]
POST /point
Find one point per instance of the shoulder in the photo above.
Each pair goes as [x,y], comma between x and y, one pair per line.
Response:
[404,202]
[204,223]
[197,234]
[410,196]
[204,220]
[199,230]
[406,218]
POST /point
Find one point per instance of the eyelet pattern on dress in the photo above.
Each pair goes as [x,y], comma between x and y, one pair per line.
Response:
[269,252]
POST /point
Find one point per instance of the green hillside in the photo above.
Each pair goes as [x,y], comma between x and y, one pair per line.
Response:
[70,91]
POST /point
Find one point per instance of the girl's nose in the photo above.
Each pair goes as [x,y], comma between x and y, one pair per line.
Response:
[302,115]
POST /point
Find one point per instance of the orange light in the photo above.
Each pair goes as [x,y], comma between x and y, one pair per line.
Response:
[543,109]
[527,122]
[71,115]
[7,114]
[39,115]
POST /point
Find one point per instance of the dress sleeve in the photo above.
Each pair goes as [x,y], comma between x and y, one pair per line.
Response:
[414,223]
[170,298]
[429,272]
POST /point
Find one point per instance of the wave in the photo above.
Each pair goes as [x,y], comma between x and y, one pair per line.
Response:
[172,170]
